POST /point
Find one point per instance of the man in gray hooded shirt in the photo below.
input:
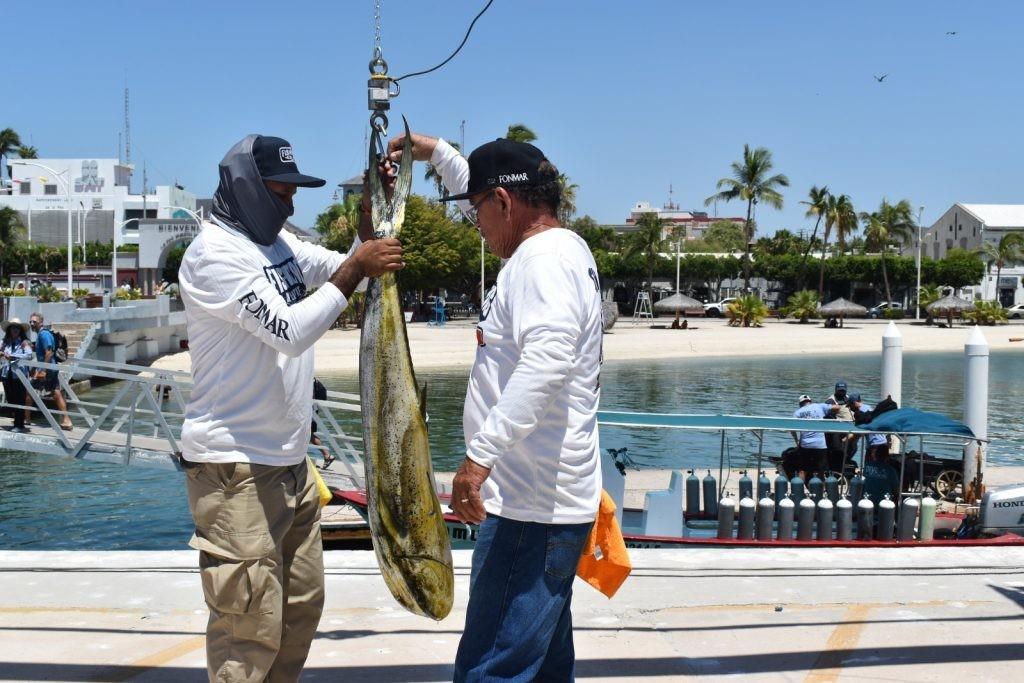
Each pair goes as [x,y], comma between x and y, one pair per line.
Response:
[252,323]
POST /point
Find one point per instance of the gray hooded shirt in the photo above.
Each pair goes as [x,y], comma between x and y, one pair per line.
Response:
[243,202]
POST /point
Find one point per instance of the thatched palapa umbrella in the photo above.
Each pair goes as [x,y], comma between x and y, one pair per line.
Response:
[949,306]
[840,308]
[677,302]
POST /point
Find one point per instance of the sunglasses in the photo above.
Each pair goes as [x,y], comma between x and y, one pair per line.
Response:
[472,213]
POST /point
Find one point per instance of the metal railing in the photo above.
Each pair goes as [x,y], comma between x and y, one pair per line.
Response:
[141,423]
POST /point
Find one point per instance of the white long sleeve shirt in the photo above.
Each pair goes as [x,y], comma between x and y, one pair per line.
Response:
[251,329]
[531,404]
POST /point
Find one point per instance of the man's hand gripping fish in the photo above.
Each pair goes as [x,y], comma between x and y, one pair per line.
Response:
[406,521]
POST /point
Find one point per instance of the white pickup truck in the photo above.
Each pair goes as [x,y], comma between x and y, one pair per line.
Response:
[716,309]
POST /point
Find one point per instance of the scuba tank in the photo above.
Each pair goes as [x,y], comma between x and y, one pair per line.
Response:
[844,519]
[746,486]
[825,513]
[816,487]
[746,528]
[785,526]
[710,496]
[781,488]
[832,488]
[796,485]
[886,518]
[726,516]
[865,519]
[764,486]
[857,486]
[927,525]
[908,517]
[692,494]
[805,520]
[765,517]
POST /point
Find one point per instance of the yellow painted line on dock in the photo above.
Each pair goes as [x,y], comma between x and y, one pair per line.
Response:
[150,662]
[844,638]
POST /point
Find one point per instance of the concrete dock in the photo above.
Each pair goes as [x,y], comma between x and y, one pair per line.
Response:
[913,614]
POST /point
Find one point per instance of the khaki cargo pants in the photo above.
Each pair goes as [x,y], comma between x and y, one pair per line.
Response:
[261,564]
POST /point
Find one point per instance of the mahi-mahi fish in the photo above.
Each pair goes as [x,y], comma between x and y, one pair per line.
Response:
[406,522]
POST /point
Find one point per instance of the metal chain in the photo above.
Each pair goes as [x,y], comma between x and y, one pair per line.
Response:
[377,53]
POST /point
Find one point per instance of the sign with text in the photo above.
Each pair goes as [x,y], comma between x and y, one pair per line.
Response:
[158,235]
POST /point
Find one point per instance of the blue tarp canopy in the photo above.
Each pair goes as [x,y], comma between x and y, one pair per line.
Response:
[906,421]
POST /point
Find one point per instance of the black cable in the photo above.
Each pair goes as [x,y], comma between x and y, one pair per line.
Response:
[452,55]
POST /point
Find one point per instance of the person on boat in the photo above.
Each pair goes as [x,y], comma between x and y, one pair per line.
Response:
[531,477]
[251,325]
[878,444]
[47,380]
[15,347]
[880,477]
[812,451]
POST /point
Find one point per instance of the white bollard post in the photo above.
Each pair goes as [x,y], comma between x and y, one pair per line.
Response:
[892,364]
[976,352]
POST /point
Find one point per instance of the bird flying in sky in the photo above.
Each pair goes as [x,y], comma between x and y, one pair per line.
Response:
[881,78]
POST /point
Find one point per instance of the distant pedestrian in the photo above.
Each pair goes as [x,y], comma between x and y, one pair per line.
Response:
[16,347]
[48,380]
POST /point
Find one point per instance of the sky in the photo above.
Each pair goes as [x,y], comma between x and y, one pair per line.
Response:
[627,98]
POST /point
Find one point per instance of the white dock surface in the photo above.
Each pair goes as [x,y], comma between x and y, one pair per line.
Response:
[911,614]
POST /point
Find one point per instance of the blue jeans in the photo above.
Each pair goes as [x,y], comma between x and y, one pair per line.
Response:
[518,623]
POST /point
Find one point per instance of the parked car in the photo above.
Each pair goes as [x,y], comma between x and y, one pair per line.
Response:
[879,310]
[1015,312]
[716,309]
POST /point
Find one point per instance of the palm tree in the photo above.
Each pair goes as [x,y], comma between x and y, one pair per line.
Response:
[518,132]
[839,214]
[816,205]
[803,305]
[890,223]
[1007,252]
[28,152]
[647,240]
[11,230]
[9,141]
[750,182]
[567,207]
[432,176]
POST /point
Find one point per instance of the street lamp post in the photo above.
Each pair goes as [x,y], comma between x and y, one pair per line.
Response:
[67,191]
[917,309]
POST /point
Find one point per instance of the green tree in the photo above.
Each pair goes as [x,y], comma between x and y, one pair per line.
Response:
[889,224]
[782,242]
[173,263]
[339,223]
[1006,252]
[803,305]
[817,205]
[567,206]
[839,214]
[752,183]
[432,176]
[28,152]
[648,239]
[10,141]
[746,311]
[518,132]
[960,268]
[11,231]
[596,236]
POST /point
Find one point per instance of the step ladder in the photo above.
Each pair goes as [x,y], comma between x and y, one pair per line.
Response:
[642,308]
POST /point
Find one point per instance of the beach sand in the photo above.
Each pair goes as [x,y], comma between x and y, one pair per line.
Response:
[455,344]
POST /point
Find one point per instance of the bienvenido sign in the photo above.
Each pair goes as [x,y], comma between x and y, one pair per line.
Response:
[156,236]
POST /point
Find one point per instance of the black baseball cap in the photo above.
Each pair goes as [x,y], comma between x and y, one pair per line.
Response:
[854,398]
[504,163]
[275,161]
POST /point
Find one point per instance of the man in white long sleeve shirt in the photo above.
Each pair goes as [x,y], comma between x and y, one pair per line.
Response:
[251,325]
[531,477]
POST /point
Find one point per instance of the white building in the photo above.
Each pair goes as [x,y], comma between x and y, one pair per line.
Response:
[688,224]
[100,200]
[970,226]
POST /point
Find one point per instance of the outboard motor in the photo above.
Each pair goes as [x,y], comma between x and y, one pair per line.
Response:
[865,519]
[692,494]
[726,516]
[746,486]
[816,487]
[908,517]
[926,529]
[825,512]
[805,520]
[844,519]
[785,526]
[796,485]
[832,488]
[765,517]
[764,486]
[1002,511]
[710,496]
[746,530]
[886,518]
[781,488]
